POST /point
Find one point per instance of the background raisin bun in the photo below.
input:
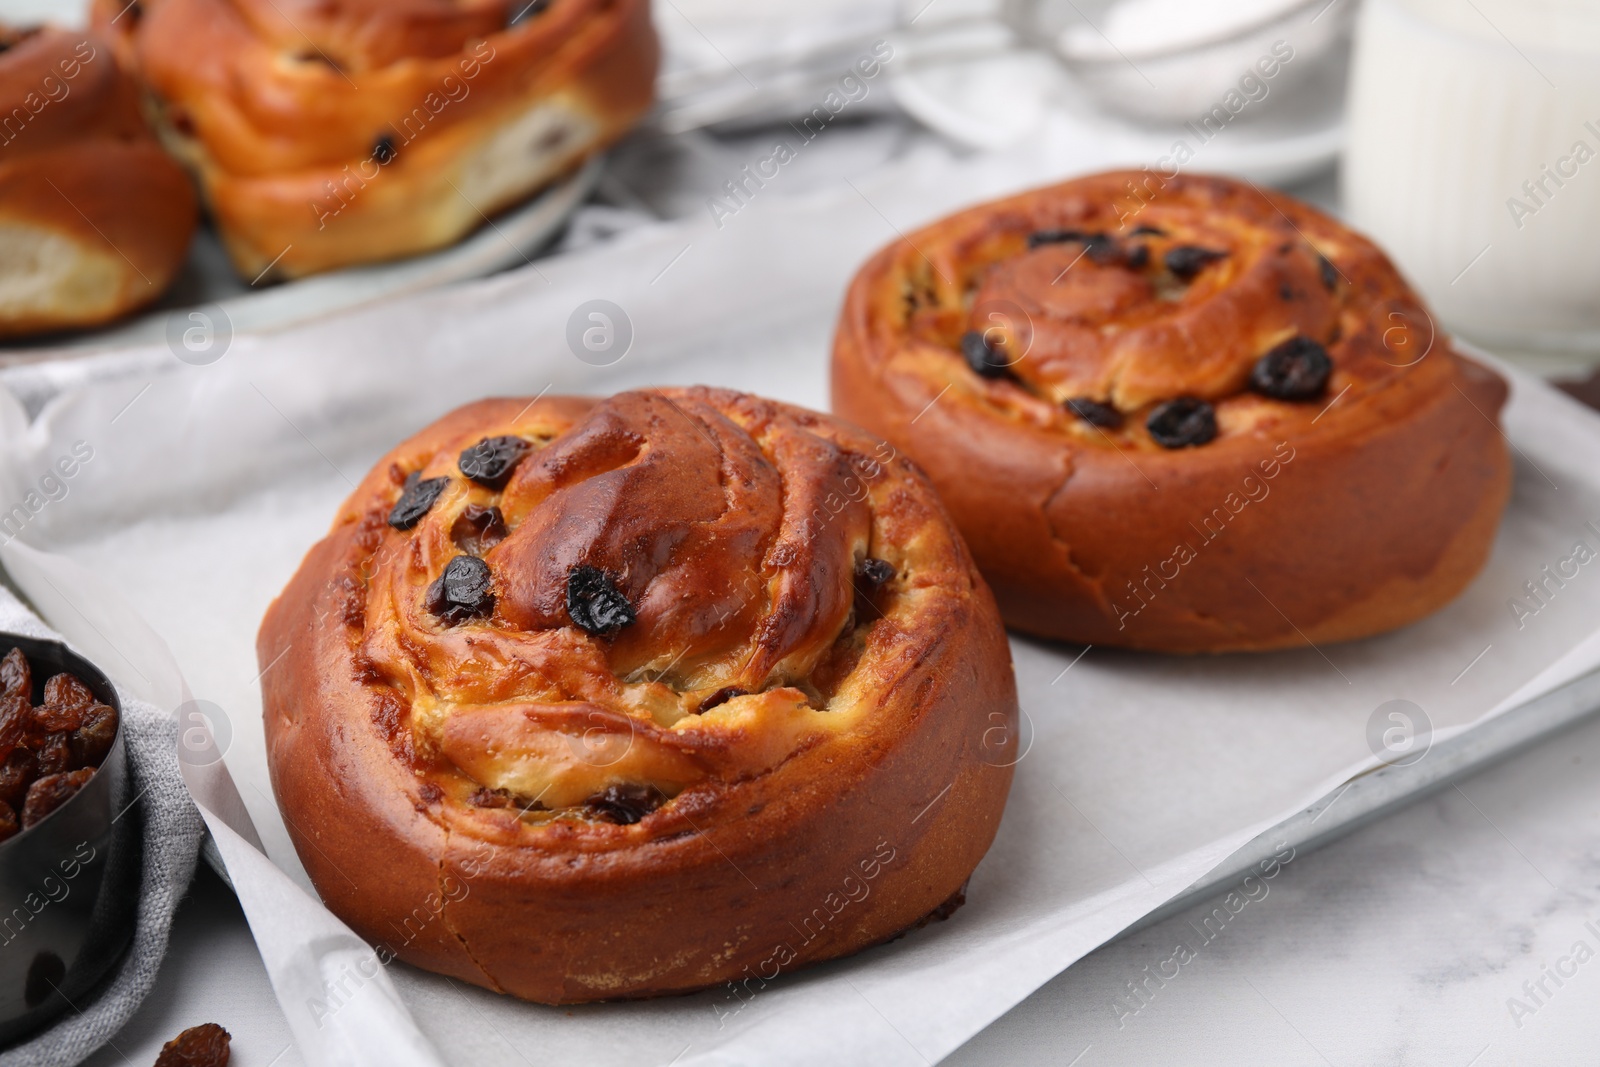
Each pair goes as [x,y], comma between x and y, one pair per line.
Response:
[637,696]
[1179,414]
[94,218]
[327,133]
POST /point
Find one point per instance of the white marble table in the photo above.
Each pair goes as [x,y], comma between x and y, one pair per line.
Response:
[1406,942]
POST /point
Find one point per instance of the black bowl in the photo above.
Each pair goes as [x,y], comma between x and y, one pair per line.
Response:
[69,885]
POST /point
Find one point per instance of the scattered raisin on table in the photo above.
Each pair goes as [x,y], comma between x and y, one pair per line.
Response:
[205,1045]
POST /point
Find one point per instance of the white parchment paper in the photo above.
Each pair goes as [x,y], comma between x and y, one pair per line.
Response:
[208,483]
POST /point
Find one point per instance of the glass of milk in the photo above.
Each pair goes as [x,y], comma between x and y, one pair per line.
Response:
[1473,157]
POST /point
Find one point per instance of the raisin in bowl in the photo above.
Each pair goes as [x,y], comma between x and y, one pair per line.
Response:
[69,840]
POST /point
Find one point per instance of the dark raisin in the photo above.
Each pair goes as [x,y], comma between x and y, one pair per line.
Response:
[1138,257]
[985,362]
[17,772]
[478,529]
[135,11]
[52,718]
[16,718]
[63,690]
[484,797]
[50,792]
[873,573]
[1099,247]
[16,679]
[54,753]
[383,150]
[523,10]
[1186,261]
[1054,237]
[1147,231]
[8,821]
[1182,422]
[415,500]
[720,697]
[92,740]
[625,804]
[491,461]
[1298,369]
[1103,250]
[595,604]
[206,1045]
[66,704]
[1095,413]
[462,592]
[430,793]
[45,975]
[1285,292]
[1330,273]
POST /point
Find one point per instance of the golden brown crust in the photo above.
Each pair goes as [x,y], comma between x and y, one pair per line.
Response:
[337,133]
[95,219]
[493,765]
[1349,512]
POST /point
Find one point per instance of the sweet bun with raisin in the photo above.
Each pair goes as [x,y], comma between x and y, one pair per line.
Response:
[328,133]
[95,219]
[644,694]
[1180,414]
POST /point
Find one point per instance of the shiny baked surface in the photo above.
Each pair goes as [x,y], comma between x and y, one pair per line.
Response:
[95,219]
[334,132]
[1079,293]
[1103,376]
[732,530]
[689,636]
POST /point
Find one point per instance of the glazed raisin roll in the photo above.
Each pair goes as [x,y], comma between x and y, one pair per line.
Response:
[327,133]
[590,699]
[95,219]
[1185,415]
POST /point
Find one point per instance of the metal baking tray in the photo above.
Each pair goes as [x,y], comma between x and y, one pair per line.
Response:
[1384,790]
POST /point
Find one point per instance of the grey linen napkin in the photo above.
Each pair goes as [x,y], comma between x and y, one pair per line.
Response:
[172,831]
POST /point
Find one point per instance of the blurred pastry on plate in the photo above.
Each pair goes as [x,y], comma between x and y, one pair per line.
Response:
[644,694]
[1180,413]
[95,219]
[328,133]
